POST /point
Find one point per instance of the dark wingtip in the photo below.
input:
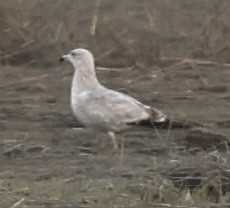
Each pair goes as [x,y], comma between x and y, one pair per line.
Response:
[150,123]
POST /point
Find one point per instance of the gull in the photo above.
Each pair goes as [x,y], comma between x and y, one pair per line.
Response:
[100,108]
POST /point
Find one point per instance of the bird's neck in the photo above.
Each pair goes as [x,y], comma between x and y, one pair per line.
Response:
[84,79]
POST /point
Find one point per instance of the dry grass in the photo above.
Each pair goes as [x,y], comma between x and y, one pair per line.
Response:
[39,31]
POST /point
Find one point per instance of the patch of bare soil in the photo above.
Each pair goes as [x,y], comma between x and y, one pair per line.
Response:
[46,162]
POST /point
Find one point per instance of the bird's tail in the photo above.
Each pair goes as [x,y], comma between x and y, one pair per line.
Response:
[157,116]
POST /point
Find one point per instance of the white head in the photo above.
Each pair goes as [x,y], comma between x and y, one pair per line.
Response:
[82,61]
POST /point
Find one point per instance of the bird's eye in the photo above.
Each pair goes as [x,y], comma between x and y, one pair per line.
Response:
[73,54]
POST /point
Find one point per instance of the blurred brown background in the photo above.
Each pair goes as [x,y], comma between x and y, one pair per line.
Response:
[118,32]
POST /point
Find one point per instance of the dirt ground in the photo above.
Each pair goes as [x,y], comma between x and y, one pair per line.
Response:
[47,160]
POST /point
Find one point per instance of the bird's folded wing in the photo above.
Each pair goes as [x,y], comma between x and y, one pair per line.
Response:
[114,107]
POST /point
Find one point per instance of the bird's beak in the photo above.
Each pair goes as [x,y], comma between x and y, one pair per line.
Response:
[64,58]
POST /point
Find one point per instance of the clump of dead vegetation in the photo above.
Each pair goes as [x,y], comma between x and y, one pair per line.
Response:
[125,33]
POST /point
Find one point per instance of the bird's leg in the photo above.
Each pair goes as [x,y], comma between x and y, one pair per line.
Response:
[122,153]
[115,146]
[114,140]
[103,142]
